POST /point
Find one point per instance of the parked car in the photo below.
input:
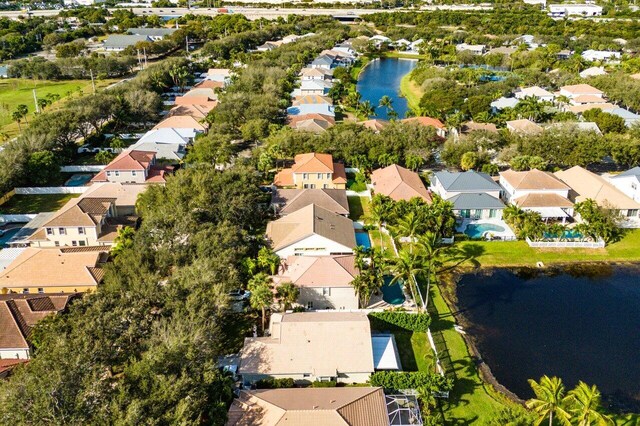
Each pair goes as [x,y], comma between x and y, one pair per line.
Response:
[239,294]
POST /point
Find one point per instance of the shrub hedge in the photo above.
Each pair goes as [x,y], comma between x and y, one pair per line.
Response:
[274,383]
[317,384]
[403,320]
[398,380]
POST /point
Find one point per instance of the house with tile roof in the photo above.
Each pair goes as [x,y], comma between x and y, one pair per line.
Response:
[316,74]
[314,87]
[575,90]
[324,281]
[441,129]
[536,92]
[311,231]
[19,314]
[315,346]
[628,182]
[287,201]
[588,185]
[55,270]
[124,195]
[348,406]
[375,124]
[537,191]
[399,183]
[81,222]
[199,112]
[313,122]
[474,195]
[311,99]
[167,143]
[312,170]
[133,166]
[524,127]
[186,125]
[476,205]
[304,109]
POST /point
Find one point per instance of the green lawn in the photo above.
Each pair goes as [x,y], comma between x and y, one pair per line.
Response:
[518,253]
[358,207]
[16,91]
[374,235]
[410,91]
[29,204]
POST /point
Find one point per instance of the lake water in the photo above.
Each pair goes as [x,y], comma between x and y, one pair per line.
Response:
[382,77]
[577,325]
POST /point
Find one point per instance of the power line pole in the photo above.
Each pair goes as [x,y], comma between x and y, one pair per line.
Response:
[35,100]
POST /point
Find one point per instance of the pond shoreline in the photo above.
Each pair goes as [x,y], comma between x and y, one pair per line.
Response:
[449,285]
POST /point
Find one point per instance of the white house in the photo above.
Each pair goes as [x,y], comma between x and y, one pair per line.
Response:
[535,92]
[448,184]
[476,49]
[575,90]
[628,182]
[600,55]
[566,9]
[167,143]
[315,87]
[312,231]
[324,281]
[593,72]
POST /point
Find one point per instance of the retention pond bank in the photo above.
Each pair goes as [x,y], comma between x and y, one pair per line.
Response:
[579,323]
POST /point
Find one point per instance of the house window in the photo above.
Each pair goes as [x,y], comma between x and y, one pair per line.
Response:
[306,374]
[325,186]
[133,172]
[81,231]
[319,176]
[57,243]
[326,291]
[49,231]
[62,231]
[74,243]
[305,176]
[328,175]
[25,291]
[492,213]
[309,305]
[634,186]
[40,290]
[309,186]
[82,243]
[117,172]
[632,213]
[108,173]
[465,213]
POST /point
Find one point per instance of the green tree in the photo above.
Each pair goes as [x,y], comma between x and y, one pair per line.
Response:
[104,157]
[268,260]
[549,401]
[287,294]
[405,268]
[469,161]
[123,241]
[42,167]
[261,294]
[584,403]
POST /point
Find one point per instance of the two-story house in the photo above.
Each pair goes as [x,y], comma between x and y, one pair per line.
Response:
[133,166]
[537,191]
[628,182]
[474,195]
[313,170]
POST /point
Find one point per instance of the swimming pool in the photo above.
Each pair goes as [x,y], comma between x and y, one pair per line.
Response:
[477,230]
[392,293]
[362,239]
[568,234]
[78,179]
[7,236]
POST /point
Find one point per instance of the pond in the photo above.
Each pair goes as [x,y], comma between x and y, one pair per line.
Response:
[578,324]
[382,77]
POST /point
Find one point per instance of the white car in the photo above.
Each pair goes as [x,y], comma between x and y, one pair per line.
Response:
[239,294]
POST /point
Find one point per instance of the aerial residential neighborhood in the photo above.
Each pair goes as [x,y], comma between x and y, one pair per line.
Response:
[308,213]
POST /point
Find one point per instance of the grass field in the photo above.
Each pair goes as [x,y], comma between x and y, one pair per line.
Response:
[518,253]
[29,204]
[14,91]
[410,91]
[358,207]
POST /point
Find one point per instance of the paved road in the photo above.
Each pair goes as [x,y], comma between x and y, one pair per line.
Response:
[249,12]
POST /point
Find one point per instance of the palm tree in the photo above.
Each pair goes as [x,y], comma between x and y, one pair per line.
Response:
[17,117]
[287,294]
[405,268]
[365,108]
[431,251]
[548,401]
[387,103]
[268,260]
[377,213]
[261,298]
[585,401]
[407,227]
[23,110]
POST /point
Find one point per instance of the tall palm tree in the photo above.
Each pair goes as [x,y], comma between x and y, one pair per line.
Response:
[406,267]
[431,251]
[387,103]
[365,108]
[407,227]
[287,294]
[377,213]
[585,401]
[549,401]
[261,298]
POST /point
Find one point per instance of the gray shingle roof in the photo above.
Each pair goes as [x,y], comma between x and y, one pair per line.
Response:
[631,172]
[467,181]
[152,32]
[124,40]
[475,201]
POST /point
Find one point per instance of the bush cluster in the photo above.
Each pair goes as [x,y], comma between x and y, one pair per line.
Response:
[404,320]
[271,383]
[330,384]
[399,380]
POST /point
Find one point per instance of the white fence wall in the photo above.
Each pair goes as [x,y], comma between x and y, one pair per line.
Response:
[87,168]
[16,218]
[52,190]
[566,244]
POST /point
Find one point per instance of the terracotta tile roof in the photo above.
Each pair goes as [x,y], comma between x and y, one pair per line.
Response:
[579,109]
[299,341]
[18,315]
[203,101]
[425,121]
[311,99]
[339,173]
[589,99]
[294,120]
[318,271]
[7,365]
[533,180]
[308,221]
[399,183]
[313,163]
[524,126]
[291,200]
[577,89]
[473,127]
[354,406]
[543,200]
[125,194]
[375,124]
[180,122]
[81,212]
[198,112]
[209,84]
[54,267]
[284,178]
[132,160]
[587,185]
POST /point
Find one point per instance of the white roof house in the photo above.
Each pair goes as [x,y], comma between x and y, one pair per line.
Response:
[534,92]
[502,103]
[627,182]
[600,55]
[476,49]
[629,117]
[167,143]
[593,72]
[566,9]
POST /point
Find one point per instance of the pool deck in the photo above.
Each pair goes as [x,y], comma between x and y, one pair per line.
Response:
[507,234]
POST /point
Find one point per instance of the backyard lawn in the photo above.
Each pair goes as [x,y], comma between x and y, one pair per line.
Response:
[518,253]
[374,235]
[358,207]
[30,204]
[410,91]
[16,91]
